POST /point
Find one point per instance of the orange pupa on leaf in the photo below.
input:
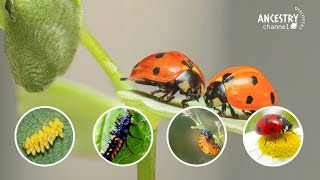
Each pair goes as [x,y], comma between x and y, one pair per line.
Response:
[46,136]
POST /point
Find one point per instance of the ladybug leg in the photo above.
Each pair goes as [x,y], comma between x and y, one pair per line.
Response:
[156,91]
[118,118]
[247,113]
[222,113]
[134,136]
[233,113]
[137,123]
[169,95]
[216,109]
[185,102]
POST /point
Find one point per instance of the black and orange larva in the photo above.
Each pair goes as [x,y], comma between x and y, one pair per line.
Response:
[120,136]
[206,144]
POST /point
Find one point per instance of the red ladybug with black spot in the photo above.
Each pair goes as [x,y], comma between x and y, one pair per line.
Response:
[171,72]
[242,87]
[272,124]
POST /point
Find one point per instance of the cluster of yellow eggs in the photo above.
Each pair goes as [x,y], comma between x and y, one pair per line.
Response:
[40,141]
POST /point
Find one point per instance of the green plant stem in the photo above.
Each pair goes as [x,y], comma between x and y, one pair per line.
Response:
[197,120]
[147,167]
[104,60]
[2,18]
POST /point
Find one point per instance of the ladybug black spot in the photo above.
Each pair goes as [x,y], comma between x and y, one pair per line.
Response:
[272,129]
[266,120]
[249,99]
[227,77]
[254,80]
[160,55]
[259,129]
[272,98]
[224,77]
[184,63]
[156,70]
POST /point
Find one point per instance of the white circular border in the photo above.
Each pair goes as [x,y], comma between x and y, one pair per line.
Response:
[44,107]
[225,136]
[274,109]
[122,107]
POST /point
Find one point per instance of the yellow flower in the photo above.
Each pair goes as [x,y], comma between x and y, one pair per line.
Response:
[280,146]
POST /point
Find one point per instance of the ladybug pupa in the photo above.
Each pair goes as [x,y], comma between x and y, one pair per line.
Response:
[171,72]
[242,87]
[42,140]
[207,145]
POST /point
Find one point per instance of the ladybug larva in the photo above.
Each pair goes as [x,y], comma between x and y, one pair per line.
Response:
[120,136]
[171,72]
[42,140]
[243,87]
[206,144]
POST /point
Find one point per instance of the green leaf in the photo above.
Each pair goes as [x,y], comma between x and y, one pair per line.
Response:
[32,123]
[41,39]
[139,147]
[82,105]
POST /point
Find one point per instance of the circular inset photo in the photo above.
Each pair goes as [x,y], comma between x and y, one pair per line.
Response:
[273,136]
[196,136]
[122,136]
[44,136]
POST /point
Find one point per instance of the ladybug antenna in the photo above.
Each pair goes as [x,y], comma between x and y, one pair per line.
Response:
[124,79]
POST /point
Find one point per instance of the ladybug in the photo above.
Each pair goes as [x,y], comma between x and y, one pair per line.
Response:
[206,144]
[243,87]
[120,136]
[272,124]
[171,72]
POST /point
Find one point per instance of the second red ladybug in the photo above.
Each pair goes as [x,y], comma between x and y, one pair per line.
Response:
[272,124]
[243,87]
[171,72]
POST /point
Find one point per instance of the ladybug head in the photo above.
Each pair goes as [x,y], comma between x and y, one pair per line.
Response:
[190,84]
[215,94]
[206,133]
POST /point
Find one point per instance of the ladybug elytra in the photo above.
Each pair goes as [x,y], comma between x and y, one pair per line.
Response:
[171,72]
[243,87]
[272,124]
